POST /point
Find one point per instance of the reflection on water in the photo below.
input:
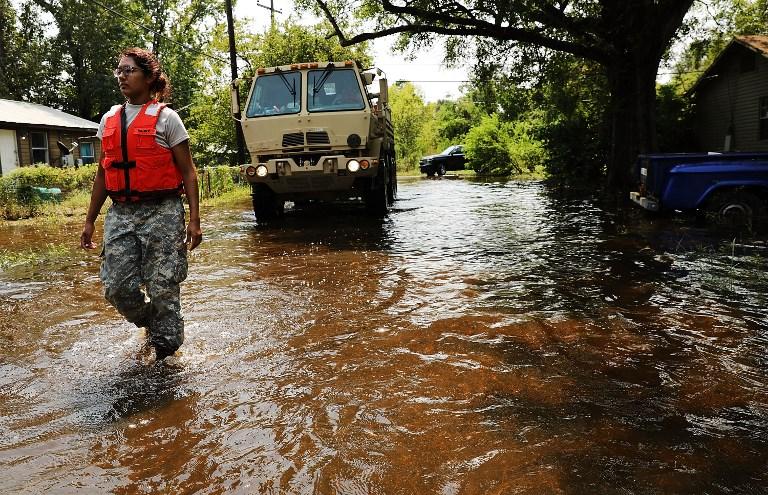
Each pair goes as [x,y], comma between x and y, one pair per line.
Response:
[484,338]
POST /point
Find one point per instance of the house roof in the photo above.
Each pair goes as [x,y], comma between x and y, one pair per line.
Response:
[24,113]
[756,43]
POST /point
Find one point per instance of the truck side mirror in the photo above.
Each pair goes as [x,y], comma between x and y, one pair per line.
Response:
[368,78]
[235,95]
[383,92]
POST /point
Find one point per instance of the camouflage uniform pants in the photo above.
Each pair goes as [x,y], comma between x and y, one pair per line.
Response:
[144,248]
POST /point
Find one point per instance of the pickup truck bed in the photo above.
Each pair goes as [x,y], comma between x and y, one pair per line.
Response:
[730,186]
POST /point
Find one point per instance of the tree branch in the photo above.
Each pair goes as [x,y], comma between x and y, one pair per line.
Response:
[460,26]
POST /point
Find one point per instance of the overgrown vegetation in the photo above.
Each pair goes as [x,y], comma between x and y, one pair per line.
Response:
[20,199]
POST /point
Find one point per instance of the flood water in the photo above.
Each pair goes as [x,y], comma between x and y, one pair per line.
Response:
[485,338]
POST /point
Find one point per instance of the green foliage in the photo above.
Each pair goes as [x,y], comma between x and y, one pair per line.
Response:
[675,120]
[409,116]
[67,179]
[212,129]
[27,56]
[456,118]
[215,181]
[528,153]
[291,42]
[575,127]
[429,139]
[31,256]
[499,148]
[487,147]
[19,200]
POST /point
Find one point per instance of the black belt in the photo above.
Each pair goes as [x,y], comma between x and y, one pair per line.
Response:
[144,196]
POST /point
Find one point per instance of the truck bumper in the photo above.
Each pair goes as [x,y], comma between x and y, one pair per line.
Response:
[647,203]
[296,177]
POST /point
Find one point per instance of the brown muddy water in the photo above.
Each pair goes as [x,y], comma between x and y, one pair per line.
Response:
[485,338]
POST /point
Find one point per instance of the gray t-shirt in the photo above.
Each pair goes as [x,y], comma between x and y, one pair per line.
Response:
[170,128]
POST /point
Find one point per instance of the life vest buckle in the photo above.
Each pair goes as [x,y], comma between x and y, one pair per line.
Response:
[124,165]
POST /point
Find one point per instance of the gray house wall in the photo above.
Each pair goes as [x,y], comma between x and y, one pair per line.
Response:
[730,97]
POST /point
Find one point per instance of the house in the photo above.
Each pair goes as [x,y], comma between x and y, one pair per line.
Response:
[32,133]
[731,98]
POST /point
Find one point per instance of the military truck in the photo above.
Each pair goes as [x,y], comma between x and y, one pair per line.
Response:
[314,131]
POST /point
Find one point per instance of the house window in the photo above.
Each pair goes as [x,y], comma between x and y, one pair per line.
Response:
[39,143]
[86,152]
[763,117]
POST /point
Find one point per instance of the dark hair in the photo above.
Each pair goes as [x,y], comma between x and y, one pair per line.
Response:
[148,63]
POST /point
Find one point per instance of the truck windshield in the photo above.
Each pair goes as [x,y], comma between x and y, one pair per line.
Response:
[337,89]
[275,94]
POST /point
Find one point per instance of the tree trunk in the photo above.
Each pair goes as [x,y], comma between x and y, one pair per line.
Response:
[632,83]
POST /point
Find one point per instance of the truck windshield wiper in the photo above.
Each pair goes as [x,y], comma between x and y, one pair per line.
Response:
[291,87]
[319,84]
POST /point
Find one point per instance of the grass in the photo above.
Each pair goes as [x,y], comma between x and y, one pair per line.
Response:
[235,195]
[46,253]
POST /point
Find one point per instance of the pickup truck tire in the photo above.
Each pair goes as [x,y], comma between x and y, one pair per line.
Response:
[737,207]
[265,205]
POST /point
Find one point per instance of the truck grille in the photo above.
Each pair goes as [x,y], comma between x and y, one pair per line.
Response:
[293,139]
[317,137]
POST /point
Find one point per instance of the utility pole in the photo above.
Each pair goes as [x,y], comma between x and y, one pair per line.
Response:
[233,64]
[271,10]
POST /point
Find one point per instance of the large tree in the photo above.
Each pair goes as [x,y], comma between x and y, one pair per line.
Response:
[87,40]
[627,38]
[27,57]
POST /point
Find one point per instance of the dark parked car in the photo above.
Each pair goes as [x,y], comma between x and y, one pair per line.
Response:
[452,158]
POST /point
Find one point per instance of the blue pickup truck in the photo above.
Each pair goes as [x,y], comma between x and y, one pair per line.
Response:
[732,188]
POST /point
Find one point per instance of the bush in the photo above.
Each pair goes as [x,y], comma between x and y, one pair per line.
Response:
[488,147]
[18,199]
[66,179]
[215,181]
[527,151]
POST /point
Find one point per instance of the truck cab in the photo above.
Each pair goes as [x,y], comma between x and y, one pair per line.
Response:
[314,131]
[731,188]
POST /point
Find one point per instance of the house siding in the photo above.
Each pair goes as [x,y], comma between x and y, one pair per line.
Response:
[66,136]
[730,95]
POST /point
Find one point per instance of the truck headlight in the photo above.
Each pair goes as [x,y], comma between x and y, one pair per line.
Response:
[353,165]
[364,164]
[261,171]
[250,171]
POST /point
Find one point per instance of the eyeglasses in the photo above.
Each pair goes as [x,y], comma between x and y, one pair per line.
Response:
[126,69]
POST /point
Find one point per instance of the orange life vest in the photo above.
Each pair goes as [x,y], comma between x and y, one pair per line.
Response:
[142,169]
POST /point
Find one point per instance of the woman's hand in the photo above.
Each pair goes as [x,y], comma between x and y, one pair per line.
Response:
[86,238]
[194,234]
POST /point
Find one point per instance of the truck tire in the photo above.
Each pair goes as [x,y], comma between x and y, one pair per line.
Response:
[377,197]
[392,186]
[736,207]
[265,206]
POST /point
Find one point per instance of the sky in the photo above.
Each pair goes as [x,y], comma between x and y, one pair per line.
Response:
[427,72]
